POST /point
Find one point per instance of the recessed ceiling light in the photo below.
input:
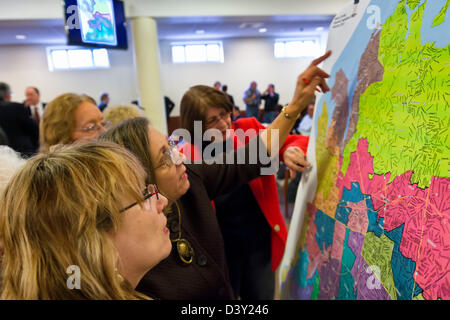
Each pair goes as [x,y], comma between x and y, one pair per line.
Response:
[319,28]
[21,37]
[262,30]
[200,31]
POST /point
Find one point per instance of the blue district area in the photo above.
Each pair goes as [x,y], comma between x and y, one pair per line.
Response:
[439,34]
[402,268]
[346,284]
[305,285]
[325,230]
[353,195]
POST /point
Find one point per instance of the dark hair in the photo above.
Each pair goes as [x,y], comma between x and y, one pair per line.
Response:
[196,101]
[4,90]
[224,88]
[103,96]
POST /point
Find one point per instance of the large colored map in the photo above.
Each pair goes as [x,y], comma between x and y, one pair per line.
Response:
[372,220]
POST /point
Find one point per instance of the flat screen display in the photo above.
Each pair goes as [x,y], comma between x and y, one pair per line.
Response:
[96,23]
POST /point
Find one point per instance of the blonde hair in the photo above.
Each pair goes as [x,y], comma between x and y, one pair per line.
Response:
[121,113]
[58,121]
[59,211]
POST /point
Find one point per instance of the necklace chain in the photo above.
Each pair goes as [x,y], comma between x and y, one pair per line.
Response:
[184,248]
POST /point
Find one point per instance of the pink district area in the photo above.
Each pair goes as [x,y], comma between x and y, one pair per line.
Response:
[357,219]
[425,214]
[311,243]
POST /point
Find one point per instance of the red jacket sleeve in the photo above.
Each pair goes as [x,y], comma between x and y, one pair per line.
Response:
[293,140]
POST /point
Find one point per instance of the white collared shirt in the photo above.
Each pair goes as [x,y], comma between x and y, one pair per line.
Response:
[39,108]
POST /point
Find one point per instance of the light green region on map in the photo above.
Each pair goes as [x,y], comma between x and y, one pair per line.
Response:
[419,297]
[378,254]
[412,4]
[440,18]
[405,116]
[327,163]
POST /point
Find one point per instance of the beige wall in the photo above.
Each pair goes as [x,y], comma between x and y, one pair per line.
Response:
[245,60]
[22,66]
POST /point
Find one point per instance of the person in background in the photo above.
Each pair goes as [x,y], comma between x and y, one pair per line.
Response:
[93,234]
[68,118]
[217,85]
[22,132]
[270,98]
[118,114]
[34,106]
[306,123]
[104,100]
[236,113]
[249,217]
[3,138]
[252,99]
[225,89]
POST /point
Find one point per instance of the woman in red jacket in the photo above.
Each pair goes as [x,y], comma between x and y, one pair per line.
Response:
[249,217]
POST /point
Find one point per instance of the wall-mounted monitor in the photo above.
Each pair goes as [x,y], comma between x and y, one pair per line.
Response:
[96,23]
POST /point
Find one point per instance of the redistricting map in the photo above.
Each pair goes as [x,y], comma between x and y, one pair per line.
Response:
[372,219]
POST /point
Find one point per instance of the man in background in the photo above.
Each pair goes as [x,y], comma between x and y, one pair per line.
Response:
[270,98]
[104,100]
[35,108]
[306,123]
[252,99]
[224,89]
[21,130]
[217,85]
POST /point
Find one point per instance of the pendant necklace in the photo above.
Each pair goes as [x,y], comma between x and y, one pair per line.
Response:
[184,248]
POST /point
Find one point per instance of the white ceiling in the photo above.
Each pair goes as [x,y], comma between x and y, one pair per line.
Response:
[51,31]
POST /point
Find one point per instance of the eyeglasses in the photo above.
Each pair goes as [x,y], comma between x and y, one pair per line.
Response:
[96,127]
[148,192]
[171,156]
[214,120]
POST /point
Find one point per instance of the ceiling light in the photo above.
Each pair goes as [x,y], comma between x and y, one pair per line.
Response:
[262,30]
[200,31]
[21,37]
[319,29]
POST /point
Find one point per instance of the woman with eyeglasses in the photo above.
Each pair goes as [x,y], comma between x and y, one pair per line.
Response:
[94,232]
[249,217]
[68,118]
[197,267]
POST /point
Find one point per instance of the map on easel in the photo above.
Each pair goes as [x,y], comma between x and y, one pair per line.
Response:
[372,217]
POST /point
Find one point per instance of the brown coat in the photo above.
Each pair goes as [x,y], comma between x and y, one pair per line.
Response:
[207,276]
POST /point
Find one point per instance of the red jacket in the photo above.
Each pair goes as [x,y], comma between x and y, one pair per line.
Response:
[264,188]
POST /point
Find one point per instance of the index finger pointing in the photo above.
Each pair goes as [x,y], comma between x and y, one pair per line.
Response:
[317,61]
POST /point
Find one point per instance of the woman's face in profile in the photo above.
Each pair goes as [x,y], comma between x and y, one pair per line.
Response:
[142,239]
[218,118]
[171,177]
[89,122]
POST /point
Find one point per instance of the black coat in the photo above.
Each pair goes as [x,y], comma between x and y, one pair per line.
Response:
[21,130]
[207,276]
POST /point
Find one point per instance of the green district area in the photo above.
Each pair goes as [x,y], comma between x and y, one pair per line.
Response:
[440,18]
[378,252]
[405,117]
